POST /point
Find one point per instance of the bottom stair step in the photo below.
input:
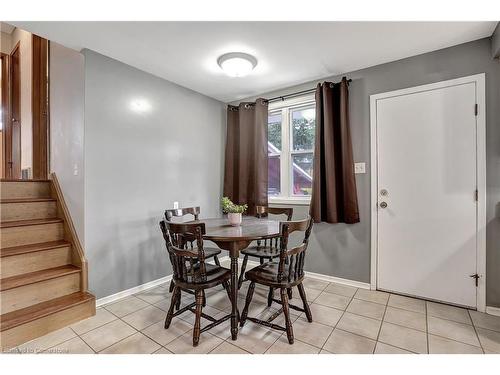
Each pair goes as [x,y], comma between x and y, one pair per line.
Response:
[21,291]
[26,324]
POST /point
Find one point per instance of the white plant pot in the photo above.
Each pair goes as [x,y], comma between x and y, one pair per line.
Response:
[234,219]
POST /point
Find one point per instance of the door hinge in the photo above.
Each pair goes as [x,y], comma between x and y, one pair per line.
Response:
[476,109]
[476,278]
[476,195]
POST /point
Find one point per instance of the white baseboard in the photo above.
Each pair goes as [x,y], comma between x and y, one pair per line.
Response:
[139,288]
[313,275]
[493,310]
[136,289]
[332,279]
[338,280]
[224,258]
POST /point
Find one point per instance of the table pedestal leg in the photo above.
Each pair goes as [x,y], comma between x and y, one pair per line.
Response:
[234,296]
[234,248]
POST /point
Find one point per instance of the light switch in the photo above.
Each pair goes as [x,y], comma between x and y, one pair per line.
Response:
[359,168]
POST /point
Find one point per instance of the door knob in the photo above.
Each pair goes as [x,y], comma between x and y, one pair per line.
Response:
[383,205]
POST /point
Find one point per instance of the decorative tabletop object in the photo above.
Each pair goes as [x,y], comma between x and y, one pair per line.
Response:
[233,211]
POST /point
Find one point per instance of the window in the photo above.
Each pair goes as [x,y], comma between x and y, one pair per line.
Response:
[291,133]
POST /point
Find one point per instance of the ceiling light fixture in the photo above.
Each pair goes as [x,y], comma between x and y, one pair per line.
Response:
[140,105]
[237,64]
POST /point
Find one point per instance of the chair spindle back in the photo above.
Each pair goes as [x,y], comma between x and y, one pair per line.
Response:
[292,261]
[264,211]
[188,263]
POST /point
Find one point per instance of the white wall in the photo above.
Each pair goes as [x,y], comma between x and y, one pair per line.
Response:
[5,43]
[24,38]
[138,164]
[67,100]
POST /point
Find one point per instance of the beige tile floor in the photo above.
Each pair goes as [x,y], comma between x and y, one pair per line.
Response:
[346,320]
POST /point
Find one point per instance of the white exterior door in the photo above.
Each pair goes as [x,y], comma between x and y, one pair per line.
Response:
[426,193]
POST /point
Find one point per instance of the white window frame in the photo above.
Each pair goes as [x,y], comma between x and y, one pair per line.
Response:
[285,107]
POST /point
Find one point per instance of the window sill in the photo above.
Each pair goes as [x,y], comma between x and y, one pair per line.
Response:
[295,201]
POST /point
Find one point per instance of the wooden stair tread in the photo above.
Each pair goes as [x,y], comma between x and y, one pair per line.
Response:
[27,200]
[37,276]
[24,249]
[20,180]
[21,223]
[40,310]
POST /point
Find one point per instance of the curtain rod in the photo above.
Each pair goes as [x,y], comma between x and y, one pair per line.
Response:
[298,93]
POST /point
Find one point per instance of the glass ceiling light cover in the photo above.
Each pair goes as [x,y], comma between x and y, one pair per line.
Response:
[237,64]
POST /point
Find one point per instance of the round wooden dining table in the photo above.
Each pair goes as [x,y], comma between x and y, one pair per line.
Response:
[235,239]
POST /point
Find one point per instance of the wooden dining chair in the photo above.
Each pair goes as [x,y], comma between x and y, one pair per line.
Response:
[179,212]
[282,275]
[210,252]
[265,249]
[191,273]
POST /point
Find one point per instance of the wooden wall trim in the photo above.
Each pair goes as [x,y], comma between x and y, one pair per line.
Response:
[5,105]
[14,143]
[70,233]
[40,107]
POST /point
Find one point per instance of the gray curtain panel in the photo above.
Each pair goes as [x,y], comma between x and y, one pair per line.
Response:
[245,177]
[334,197]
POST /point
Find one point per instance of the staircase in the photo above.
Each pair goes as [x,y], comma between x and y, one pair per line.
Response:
[43,271]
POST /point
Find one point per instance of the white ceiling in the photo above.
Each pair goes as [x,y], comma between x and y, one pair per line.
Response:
[289,53]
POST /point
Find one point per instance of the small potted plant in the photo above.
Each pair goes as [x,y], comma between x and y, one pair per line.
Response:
[233,211]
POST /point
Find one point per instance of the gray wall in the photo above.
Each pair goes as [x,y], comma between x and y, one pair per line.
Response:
[495,42]
[344,250]
[67,101]
[136,165]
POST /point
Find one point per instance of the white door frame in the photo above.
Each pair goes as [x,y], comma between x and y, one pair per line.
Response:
[479,80]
